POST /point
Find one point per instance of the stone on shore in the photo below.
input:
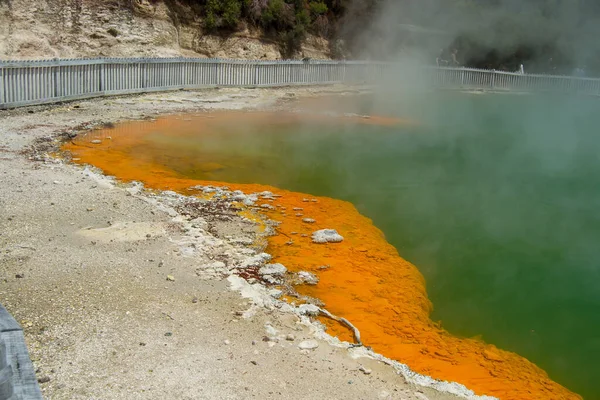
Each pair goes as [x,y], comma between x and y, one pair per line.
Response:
[272,269]
[308,345]
[308,278]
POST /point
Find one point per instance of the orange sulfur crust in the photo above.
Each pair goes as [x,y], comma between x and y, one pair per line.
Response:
[367,282]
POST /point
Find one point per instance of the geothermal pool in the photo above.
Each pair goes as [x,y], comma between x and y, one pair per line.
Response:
[492,197]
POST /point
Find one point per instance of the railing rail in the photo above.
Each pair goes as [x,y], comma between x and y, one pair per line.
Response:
[50,81]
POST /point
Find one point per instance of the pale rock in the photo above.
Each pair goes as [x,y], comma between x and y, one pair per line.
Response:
[271,332]
[327,236]
[308,278]
[273,269]
[256,261]
[364,370]
[273,280]
[267,195]
[308,309]
[308,345]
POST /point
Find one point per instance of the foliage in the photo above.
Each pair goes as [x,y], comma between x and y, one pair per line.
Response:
[318,7]
[287,21]
[223,14]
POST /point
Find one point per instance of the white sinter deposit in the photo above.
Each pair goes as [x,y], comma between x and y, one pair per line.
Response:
[327,236]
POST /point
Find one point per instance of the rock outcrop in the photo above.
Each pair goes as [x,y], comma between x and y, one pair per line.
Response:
[126,28]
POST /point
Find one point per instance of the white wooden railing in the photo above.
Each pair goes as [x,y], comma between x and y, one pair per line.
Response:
[50,81]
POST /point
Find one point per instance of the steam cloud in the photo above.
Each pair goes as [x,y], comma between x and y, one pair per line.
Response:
[492,33]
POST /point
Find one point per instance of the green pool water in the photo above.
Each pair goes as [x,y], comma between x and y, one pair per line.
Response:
[496,198]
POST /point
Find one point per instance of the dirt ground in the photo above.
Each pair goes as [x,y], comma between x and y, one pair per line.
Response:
[113,307]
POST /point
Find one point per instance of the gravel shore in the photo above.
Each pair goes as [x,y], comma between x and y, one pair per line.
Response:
[112,304]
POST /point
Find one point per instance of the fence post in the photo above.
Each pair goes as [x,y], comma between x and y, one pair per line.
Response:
[184,73]
[145,75]
[493,80]
[2,96]
[56,78]
[102,77]
[220,75]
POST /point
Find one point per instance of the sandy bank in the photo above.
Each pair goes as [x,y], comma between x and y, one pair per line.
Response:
[112,306]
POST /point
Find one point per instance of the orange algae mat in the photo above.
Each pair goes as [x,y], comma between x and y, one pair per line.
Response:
[366,282]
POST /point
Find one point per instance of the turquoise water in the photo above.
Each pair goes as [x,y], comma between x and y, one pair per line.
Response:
[494,197]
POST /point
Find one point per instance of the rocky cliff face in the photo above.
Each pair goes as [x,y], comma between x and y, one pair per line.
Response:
[125,28]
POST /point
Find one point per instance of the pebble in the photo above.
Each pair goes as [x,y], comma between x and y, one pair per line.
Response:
[227,342]
[308,278]
[308,345]
[308,220]
[170,278]
[364,370]
[96,141]
[290,337]
[271,332]
[384,394]
[44,379]
[272,269]
[20,276]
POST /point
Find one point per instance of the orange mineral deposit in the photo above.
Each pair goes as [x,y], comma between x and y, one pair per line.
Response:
[362,279]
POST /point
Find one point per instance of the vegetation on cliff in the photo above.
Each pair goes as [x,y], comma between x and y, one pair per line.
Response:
[286,21]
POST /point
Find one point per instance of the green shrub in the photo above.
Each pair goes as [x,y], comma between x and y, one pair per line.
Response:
[272,13]
[291,41]
[223,14]
[318,7]
[303,17]
[232,11]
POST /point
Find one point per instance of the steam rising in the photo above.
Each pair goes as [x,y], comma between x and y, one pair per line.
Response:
[493,33]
